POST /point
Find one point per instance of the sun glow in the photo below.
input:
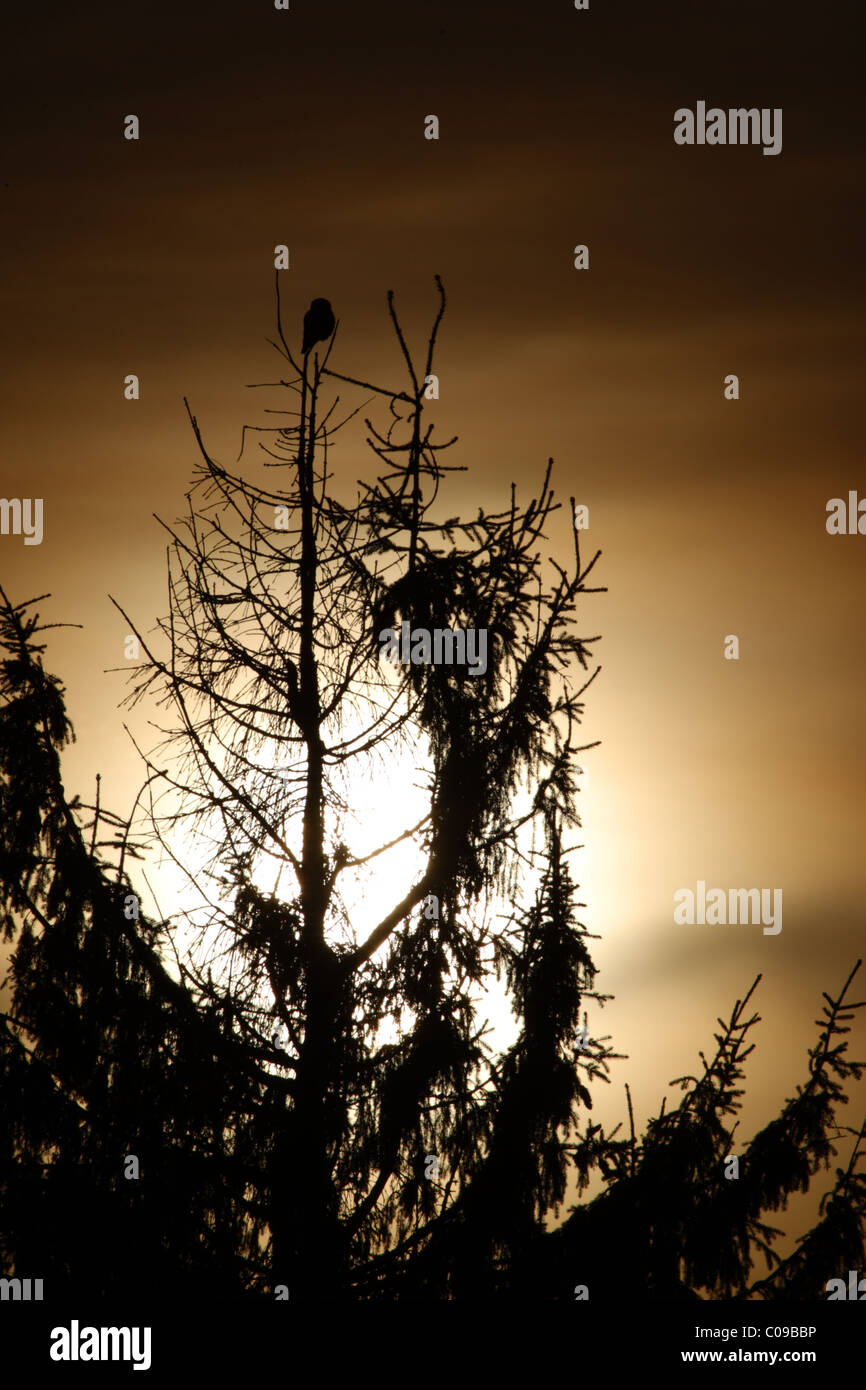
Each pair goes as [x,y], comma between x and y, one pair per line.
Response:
[375,799]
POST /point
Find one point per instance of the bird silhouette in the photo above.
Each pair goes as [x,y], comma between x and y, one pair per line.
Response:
[319,323]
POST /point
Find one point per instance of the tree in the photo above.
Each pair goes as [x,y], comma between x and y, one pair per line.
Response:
[317,1107]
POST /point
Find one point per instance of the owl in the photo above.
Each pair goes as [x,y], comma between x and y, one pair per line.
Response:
[319,324]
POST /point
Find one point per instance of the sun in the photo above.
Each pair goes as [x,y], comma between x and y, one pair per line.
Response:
[377,808]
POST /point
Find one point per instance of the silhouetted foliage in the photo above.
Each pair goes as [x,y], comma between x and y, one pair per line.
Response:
[307,1163]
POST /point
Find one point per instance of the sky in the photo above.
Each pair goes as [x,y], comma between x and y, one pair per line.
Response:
[306,127]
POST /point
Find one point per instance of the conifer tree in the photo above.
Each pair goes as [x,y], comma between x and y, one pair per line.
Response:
[316,1108]
[678,1221]
[104,1055]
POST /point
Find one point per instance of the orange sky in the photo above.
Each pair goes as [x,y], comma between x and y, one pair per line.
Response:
[306,127]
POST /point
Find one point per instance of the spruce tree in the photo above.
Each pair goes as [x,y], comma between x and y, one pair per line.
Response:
[314,1108]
